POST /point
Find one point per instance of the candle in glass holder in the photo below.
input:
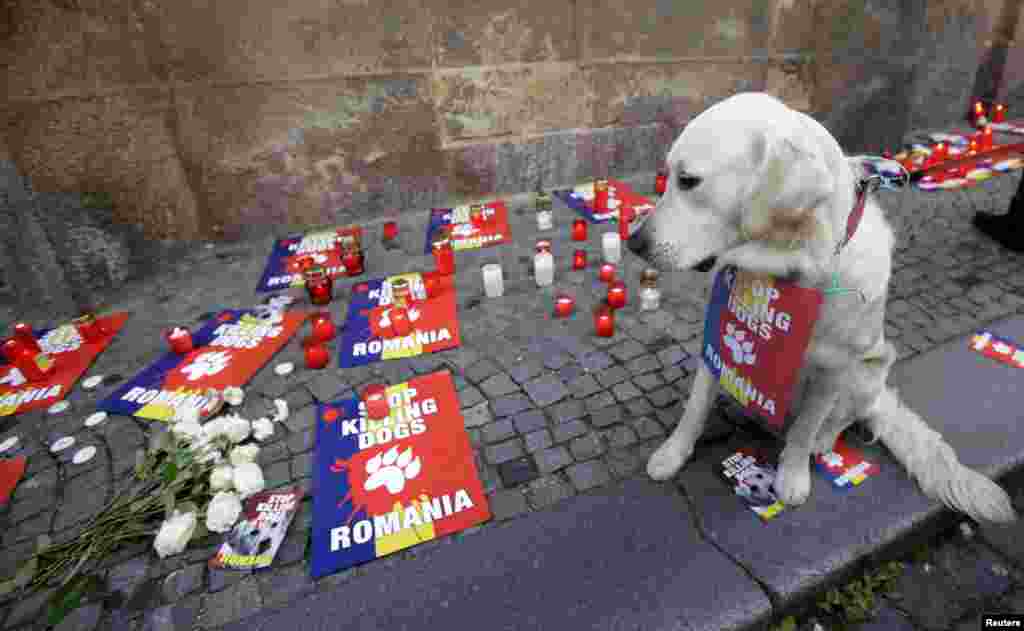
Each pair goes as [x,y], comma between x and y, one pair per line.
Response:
[444,257]
[544,264]
[660,182]
[611,245]
[617,295]
[978,113]
[33,365]
[401,292]
[601,195]
[544,215]
[940,153]
[999,113]
[400,322]
[323,328]
[564,305]
[604,321]
[23,333]
[318,285]
[494,285]
[180,340]
[626,216]
[650,295]
[476,215]
[352,259]
[986,138]
[88,327]
[316,355]
[375,397]
[606,273]
[972,148]
[391,231]
[579,230]
[579,259]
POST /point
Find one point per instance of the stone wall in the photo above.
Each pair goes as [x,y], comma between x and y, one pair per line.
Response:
[210,120]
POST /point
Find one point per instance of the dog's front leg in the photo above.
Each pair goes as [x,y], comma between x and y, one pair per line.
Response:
[675,451]
[793,483]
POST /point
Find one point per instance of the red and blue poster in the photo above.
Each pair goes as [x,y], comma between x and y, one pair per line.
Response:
[72,355]
[384,486]
[581,199]
[227,351]
[369,335]
[284,266]
[845,466]
[493,228]
[756,331]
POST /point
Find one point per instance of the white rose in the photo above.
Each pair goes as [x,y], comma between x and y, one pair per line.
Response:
[174,534]
[186,430]
[210,454]
[223,512]
[243,454]
[233,396]
[262,429]
[282,410]
[238,428]
[216,427]
[186,414]
[248,479]
[222,477]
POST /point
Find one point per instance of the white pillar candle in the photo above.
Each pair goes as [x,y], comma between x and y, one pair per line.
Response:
[544,221]
[612,247]
[494,285]
[650,299]
[544,268]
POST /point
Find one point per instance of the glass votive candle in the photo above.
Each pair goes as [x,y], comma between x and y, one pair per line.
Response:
[352,259]
[617,296]
[999,113]
[604,321]
[391,231]
[660,182]
[606,273]
[318,285]
[579,259]
[26,336]
[180,340]
[564,305]
[601,195]
[494,285]
[316,354]
[323,328]
[579,230]
[444,257]
[611,245]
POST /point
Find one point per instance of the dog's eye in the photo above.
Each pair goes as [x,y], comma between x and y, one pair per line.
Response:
[687,182]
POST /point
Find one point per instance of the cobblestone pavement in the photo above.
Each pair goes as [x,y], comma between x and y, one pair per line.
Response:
[552,410]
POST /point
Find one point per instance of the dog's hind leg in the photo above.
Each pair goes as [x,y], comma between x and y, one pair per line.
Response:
[668,459]
[793,483]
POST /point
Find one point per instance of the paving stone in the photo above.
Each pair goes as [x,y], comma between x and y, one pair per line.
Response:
[498,431]
[285,584]
[548,491]
[669,375]
[650,381]
[606,416]
[612,376]
[302,442]
[583,387]
[460,382]
[425,364]
[461,358]
[554,361]
[546,390]
[529,421]
[569,430]
[301,467]
[535,441]
[180,616]
[638,407]
[503,452]
[586,447]
[183,582]
[498,385]
[28,608]
[570,372]
[626,391]
[518,471]
[84,618]
[599,402]
[470,396]
[481,370]
[623,463]
[477,415]
[275,452]
[552,459]
[230,604]
[628,350]
[220,579]
[643,365]
[510,405]
[525,371]
[588,475]
[621,436]
[327,387]
[300,419]
[663,397]
[567,411]
[594,362]
[647,428]
[507,504]
[298,398]
[672,355]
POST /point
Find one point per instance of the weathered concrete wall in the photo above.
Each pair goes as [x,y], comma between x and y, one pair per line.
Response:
[202,119]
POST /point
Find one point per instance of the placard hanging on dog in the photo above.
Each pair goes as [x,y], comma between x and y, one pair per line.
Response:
[71,354]
[394,317]
[227,351]
[324,248]
[383,486]
[581,199]
[756,331]
[472,227]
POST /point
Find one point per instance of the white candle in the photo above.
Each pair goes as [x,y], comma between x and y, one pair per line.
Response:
[544,220]
[494,285]
[650,299]
[612,246]
[544,268]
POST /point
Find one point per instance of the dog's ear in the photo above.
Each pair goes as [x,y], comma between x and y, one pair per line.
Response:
[791,181]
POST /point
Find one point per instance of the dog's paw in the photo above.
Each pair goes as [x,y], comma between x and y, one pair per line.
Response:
[793,484]
[667,460]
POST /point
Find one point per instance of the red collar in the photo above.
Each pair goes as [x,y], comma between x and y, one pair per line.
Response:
[853,220]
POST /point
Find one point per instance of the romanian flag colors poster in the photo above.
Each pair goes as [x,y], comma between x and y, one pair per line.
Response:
[227,351]
[284,267]
[369,335]
[72,355]
[581,199]
[756,331]
[383,486]
[492,227]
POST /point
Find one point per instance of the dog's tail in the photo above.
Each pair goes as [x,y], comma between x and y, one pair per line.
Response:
[934,464]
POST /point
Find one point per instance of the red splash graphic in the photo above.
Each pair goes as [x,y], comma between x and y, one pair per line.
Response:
[380,500]
[331,415]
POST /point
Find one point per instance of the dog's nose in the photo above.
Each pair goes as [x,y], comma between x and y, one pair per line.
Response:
[705,265]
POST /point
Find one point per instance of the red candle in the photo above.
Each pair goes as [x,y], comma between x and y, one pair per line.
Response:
[617,295]
[477,216]
[973,147]
[24,334]
[318,285]
[88,327]
[180,340]
[660,182]
[579,230]
[444,258]
[34,366]
[941,152]
[978,112]
[323,328]
[352,259]
[626,216]
[999,113]
[579,259]
[375,397]
[887,155]
[606,273]
[986,137]
[317,355]
[400,322]
[390,230]
[601,195]
[604,321]
[564,305]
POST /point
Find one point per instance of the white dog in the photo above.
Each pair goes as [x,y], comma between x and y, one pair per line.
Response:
[767,189]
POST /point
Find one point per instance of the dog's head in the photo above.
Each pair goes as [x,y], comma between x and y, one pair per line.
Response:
[748,168]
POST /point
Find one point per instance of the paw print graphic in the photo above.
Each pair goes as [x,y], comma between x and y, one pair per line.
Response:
[414,314]
[206,365]
[391,470]
[832,459]
[13,378]
[742,348]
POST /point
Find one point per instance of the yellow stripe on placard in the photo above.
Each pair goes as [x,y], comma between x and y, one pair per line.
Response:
[164,411]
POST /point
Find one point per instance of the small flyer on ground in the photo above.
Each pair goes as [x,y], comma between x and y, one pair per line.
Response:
[845,466]
[370,332]
[284,266]
[227,351]
[756,331]
[998,348]
[750,472]
[72,355]
[491,227]
[581,199]
[384,486]
[252,544]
